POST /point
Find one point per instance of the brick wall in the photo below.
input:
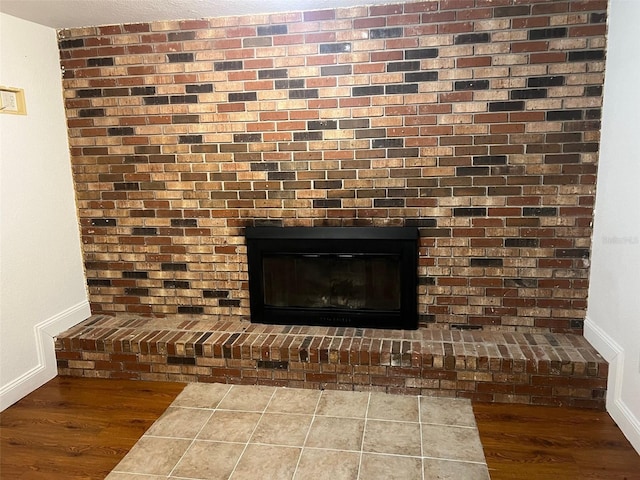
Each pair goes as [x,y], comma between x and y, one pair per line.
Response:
[476,121]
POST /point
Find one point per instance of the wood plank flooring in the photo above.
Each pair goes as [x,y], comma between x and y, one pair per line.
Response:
[79,428]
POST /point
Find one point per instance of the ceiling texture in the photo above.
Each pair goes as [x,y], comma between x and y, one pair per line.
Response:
[82,13]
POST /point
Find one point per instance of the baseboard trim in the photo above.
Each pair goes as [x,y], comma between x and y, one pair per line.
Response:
[616,406]
[46,368]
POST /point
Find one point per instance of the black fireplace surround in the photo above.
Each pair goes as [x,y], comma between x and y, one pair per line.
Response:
[333,276]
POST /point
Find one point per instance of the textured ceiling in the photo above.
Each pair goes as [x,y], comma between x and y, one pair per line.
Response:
[82,13]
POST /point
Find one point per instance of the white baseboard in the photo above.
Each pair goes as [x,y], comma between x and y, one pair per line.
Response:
[46,368]
[616,406]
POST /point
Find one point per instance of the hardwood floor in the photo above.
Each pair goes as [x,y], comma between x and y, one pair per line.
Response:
[78,428]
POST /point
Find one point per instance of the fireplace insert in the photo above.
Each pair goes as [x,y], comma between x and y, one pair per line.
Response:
[339,276]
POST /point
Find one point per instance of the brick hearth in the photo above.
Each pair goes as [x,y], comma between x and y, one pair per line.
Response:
[506,367]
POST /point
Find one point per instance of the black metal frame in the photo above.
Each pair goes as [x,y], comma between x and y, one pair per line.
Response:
[399,241]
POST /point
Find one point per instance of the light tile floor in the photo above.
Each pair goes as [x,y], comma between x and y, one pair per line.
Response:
[216,431]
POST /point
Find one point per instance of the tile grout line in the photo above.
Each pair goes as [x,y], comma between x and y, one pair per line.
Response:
[364,432]
[193,440]
[421,436]
[246,445]
[304,443]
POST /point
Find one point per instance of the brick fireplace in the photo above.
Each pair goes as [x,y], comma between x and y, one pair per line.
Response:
[475,121]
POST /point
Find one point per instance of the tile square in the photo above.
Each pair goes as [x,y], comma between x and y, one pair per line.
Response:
[383,406]
[230,426]
[451,470]
[153,456]
[390,467]
[336,403]
[395,438]
[282,429]
[447,411]
[336,433]
[327,465]
[294,400]
[247,398]
[267,461]
[180,423]
[209,460]
[452,443]
[201,395]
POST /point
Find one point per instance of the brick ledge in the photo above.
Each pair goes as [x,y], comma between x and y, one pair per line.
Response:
[504,367]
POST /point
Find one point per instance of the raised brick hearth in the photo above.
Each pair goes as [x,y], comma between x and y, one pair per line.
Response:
[544,369]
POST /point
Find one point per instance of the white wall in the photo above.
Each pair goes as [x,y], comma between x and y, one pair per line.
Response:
[42,286]
[613,316]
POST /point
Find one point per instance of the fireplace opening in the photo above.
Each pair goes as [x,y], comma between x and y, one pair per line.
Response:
[338,276]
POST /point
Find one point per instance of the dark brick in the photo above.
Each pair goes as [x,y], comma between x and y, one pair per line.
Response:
[276,73]
[551,81]
[388,202]
[91,112]
[335,70]
[264,167]
[178,99]
[470,212]
[375,33]
[593,91]
[353,124]
[284,84]
[486,262]
[98,282]
[307,136]
[100,62]
[335,47]
[585,55]
[104,222]
[330,203]
[162,100]
[521,242]
[126,186]
[230,65]
[421,77]
[89,93]
[272,30]
[189,139]
[367,91]
[184,222]
[564,115]
[466,38]
[136,292]
[421,222]
[594,114]
[243,97]
[224,302]
[403,152]
[472,171]
[490,160]
[515,11]
[143,90]
[543,33]
[420,53]
[471,85]
[529,93]
[174,267]
[202,88]
[327,184]
[181,36]
[387,143]
[572,253]
[185,119]
[506,106]
[402,66]
[180,57]
[308,93]
[215,293]
[247,137]
[204,149]
[176,284]
[75,43]
[371,133]
[401,89]
[192,311]
[135,275]
[273,364]
[598,18]
[120,131]
[322,125]
[173,360]
[539,211]
[144,231]
[281,175]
